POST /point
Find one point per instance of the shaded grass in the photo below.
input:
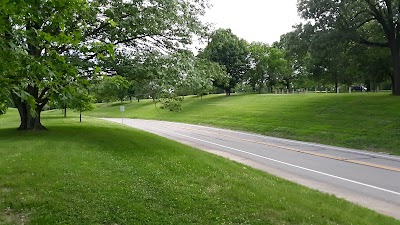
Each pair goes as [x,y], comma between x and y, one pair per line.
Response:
[367,121]
[102,173]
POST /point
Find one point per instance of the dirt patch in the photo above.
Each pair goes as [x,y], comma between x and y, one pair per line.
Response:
[8,216]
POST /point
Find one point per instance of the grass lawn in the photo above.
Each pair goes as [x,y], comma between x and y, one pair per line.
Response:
[103,173]
[366,121]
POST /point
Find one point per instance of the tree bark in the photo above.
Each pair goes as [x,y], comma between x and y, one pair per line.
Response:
[80,116]
[27,119]
[336,86]
[395,51]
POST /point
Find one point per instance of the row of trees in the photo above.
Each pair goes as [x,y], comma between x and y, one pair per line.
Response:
[355,41]
[342,43]
[255,64]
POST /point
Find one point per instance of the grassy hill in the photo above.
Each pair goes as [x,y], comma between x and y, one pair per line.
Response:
[366,121]
[102,173]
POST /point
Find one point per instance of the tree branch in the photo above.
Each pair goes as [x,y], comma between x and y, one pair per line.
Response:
[379,17]
[374,44]
[44,92]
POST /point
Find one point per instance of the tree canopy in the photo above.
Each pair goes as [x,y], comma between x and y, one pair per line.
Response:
[228,50]
[373,23]
[49,44]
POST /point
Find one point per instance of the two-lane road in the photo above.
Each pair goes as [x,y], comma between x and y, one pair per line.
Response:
[369,179]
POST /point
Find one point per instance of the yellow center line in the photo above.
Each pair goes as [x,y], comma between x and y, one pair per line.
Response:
[305,152]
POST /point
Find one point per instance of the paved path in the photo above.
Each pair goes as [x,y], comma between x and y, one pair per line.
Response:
[369,179]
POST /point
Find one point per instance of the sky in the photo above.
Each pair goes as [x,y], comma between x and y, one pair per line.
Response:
[254,20]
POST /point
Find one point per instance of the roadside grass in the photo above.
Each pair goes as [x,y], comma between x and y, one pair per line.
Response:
[97,172]
[366,121]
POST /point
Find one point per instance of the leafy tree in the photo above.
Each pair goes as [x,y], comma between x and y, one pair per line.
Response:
[205,75]
[49,44]
[369,22]
[372,66]
[296,45]
[229,51]
[200,76]
[112,88]
[267,66]
[62,100]
[258,74]
[82,101]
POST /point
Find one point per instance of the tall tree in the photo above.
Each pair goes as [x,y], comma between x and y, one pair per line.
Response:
[267,66]
[51,43]
[228,50]
[369,22]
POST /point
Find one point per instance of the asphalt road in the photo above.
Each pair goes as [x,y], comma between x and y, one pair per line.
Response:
[368,179]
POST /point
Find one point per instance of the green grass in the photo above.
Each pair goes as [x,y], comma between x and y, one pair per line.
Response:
[366,121]
[103,173]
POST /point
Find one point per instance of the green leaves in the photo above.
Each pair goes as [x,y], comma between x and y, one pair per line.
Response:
[229,51]
[47,45]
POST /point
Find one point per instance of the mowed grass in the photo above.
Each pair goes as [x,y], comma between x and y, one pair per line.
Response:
[366,121]
[97,172]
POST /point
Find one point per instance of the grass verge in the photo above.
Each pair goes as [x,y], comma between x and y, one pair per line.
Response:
[366,121]
[101,173]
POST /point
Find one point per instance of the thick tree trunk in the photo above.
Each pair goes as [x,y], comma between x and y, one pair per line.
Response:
[228,92]
[80,116]
[35,121]
[65,111]
[28,121]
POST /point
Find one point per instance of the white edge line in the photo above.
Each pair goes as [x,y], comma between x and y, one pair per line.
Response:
[291,141]
[288,164]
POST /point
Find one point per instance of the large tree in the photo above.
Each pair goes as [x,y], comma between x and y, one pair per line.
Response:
[267,66]
[228,50]
[49,44]
[370,22]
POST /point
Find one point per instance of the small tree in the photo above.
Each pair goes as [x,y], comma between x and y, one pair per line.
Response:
[82,101]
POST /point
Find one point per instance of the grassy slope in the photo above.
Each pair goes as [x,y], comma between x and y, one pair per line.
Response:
[102,173]
[362,121]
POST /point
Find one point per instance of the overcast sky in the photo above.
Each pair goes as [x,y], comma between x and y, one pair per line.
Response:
[254,20]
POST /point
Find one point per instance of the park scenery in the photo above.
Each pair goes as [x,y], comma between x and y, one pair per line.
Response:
[65,66]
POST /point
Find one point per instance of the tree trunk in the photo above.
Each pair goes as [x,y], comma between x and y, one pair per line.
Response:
[65,111]
[228,92]
[395,50]
[337,86]
[368,83]
[28,121]
[35,121]
[80,116]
